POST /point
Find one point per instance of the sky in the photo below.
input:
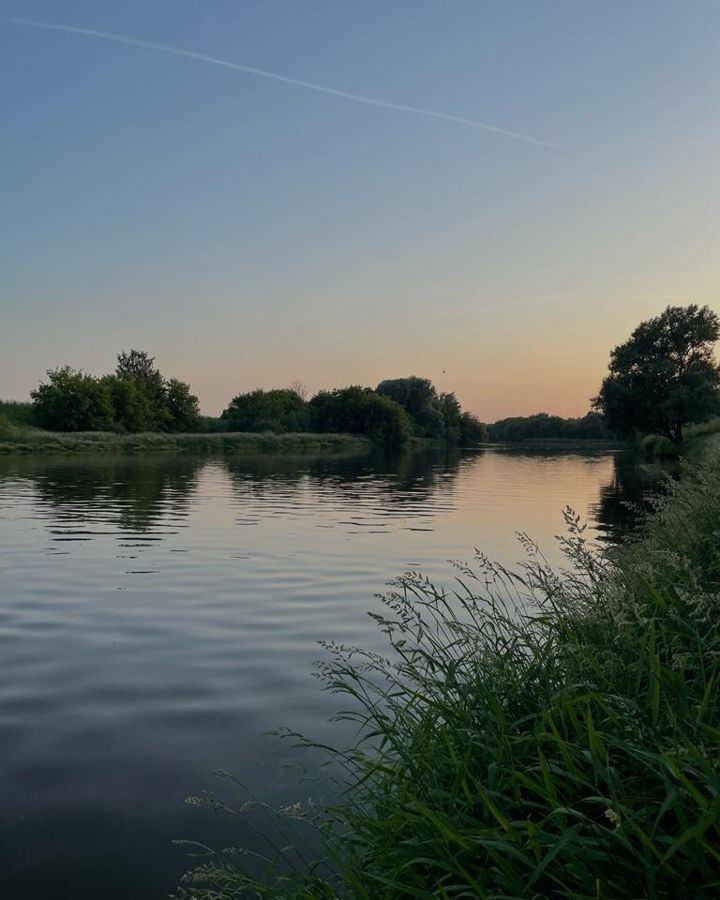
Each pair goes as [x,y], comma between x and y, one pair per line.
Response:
[251,231]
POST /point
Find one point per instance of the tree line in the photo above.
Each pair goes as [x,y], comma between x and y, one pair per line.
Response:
[661,379]
[543,426]
[136,397]
[391,414]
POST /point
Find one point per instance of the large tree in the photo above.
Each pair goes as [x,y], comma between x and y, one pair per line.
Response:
[139,368]
[413,393]
[665,375]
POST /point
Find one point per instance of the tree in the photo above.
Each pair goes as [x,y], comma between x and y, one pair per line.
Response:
[183,407]
[132,410]
[414,394]
[472,430]
[138,367]
[282,409]
[359,410]
[664,376]
[72,400]
[451,412]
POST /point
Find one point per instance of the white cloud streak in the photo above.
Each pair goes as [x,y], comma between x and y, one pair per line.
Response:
[274,76]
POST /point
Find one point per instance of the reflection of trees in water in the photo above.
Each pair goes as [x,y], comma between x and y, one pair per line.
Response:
[135,494]
[399,478]
[143,493]
[623,500]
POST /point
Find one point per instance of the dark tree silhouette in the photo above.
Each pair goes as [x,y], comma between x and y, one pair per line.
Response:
[664,376]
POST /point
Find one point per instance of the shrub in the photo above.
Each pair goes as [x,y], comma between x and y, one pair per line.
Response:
[71,400]
[282,409]
[358,410]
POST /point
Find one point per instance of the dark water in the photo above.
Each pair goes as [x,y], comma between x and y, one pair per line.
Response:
[157,615]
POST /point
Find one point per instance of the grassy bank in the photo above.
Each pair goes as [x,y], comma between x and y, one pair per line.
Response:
[696,440]
[532,734]
[33,440]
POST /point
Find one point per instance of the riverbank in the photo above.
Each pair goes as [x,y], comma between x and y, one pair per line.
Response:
[697,439]
[31,440]
[567,751]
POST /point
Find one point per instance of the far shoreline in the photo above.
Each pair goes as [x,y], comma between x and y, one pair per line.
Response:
[227,443]
[32,441]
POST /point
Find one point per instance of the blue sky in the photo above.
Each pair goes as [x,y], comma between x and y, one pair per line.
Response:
[249,232]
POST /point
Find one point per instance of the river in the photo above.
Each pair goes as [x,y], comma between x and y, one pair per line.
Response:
[157,615]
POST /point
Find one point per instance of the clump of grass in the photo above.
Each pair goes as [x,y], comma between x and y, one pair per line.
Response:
[530,734]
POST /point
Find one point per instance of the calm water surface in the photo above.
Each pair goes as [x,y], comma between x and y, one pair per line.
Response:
[158,615]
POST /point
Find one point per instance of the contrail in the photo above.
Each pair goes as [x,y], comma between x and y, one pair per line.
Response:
[262,73]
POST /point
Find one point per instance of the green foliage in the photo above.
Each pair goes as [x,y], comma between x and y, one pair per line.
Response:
[71,400]
[132,408]
[472,431]
[414,394]
[136,398]
[542,426]
[279,410]
[530,734]
[359,410]
[664,376]
[138,368]
[451,412]
[38,441]
[17,413]
[183,407]
[433,415]
[696,440]
[429,423]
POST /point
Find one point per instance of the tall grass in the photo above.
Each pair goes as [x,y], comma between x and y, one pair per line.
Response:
[15,439]
[529,734]
[696,439]
[14,413]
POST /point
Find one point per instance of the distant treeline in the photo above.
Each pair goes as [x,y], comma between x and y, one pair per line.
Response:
[137,398]
[543,426]
[391,415]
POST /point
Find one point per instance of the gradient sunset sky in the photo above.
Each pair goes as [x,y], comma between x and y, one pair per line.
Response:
[250,232]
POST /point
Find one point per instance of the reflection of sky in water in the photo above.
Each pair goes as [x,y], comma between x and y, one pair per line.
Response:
[158,615]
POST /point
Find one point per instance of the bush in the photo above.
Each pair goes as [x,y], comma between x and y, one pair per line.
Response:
[279,410]
[434,416]
[530,734]
[358,410]
[71,400]
[135,398]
